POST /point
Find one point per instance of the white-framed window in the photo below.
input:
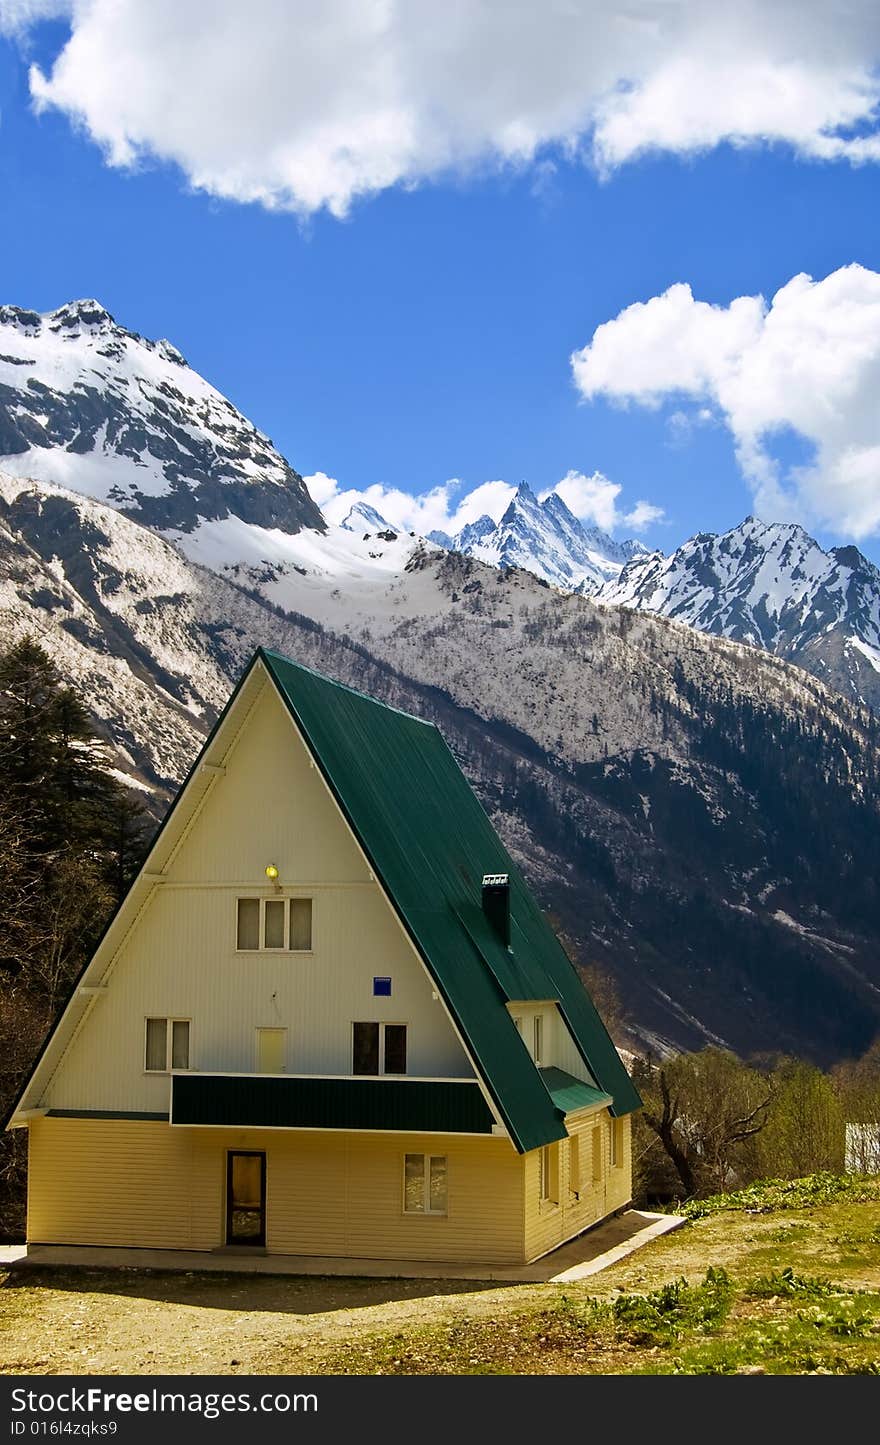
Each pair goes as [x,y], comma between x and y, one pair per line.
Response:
[166,1045]
[378,1048]
[538,1038]
[548,1173]
[615,1143]
[425,1184]
[574,1164]
[274,925]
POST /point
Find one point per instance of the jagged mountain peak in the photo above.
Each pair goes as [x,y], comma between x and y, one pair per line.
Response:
[86,403]
[545,537]
[772,585]
[362,515]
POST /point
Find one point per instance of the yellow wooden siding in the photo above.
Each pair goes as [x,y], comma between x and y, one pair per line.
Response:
[547,1224]
[102,1181]
[144,1184]
[180,959]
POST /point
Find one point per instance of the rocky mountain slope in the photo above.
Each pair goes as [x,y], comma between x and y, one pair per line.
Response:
[87,404]
[546,538]
[700,818]
[773,586]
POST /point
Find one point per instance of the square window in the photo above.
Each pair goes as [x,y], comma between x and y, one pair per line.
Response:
[425,1188]
[381,987]
[166,1039]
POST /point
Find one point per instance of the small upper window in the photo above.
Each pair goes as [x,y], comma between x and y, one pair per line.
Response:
[166,1039]
[378,1048]
[274,924]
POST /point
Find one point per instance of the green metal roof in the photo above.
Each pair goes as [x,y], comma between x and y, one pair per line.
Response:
[569,1093]
[430,843]
[413,1106]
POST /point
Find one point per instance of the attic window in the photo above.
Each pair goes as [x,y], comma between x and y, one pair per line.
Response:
[274,925]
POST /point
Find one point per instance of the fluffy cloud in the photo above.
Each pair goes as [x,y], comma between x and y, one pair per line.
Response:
[807,363]
[17,16]
[304,104]
[448,508]
[443,508]
[594,500]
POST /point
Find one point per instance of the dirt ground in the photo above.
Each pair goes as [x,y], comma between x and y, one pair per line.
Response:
[133,1322]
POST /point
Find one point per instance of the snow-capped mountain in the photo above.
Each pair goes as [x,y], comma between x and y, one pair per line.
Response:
[365,519]
[641,772]
[547,539]
[89,405]
[687,808]
[771,585]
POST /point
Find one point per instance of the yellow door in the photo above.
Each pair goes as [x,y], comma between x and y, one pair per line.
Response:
[271,1051]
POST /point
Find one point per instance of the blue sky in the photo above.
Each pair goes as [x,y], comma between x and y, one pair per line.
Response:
[427,333]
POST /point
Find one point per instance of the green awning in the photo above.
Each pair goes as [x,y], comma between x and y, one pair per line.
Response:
[413,1106]
[569,1093]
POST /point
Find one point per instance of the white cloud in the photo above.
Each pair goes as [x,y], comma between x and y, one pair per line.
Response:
[18,16]
[304,104]
[594,500]
[448,507]
[808,363]
[443,508]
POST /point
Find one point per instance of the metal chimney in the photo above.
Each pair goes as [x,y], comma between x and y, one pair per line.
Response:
[496,904]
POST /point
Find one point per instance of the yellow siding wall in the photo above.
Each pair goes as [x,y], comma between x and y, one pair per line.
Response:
[549,1224]
[180,960]
[144,1184]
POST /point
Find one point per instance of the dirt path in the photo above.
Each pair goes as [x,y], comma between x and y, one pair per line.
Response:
[127,1321]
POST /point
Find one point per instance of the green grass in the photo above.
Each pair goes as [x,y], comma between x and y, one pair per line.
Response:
[760,1307]
[769,1195]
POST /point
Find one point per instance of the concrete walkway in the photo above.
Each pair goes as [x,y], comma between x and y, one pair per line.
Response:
[586,1255]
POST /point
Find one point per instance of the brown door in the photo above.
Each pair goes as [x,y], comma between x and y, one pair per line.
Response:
[245,1197]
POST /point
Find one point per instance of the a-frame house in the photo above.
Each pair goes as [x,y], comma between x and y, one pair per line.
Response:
[329,1017]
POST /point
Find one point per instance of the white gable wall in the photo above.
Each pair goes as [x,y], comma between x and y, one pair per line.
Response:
[180,960]
[559,1049]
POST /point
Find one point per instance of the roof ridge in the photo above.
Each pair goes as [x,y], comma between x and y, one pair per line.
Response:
[271,652]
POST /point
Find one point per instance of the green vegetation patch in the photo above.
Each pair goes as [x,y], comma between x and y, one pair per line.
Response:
[769,1195]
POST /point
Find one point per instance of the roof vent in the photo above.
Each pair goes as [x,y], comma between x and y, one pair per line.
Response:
[496,904]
